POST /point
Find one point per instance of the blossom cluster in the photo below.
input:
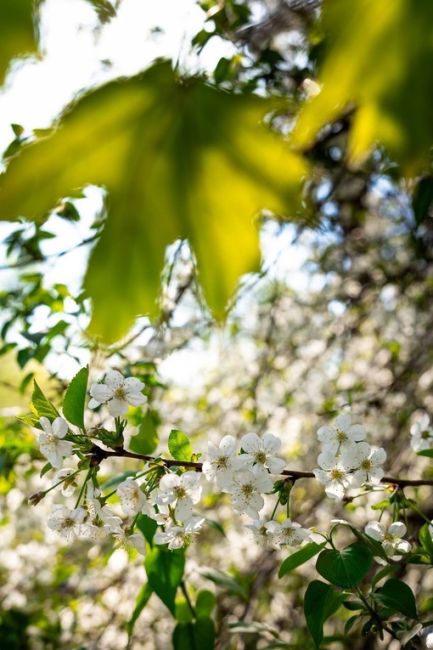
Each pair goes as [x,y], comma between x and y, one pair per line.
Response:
[246,477]
[421,434]
[346,460]
[170,494]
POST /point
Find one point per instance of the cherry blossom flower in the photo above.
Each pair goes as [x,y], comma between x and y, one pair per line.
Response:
[66,522]
[260,530]
[289,532]
[181,491]
[179,536]
[132,498]
[248,486]
[261,452]
[342,435]
[68,485]
[51,443]
[390,538]
[101,515]
[421,434]
[334,474]
[118,392]
[368,464]
[221,462]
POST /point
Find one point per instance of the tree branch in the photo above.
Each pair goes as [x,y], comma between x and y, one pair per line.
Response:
[98,455]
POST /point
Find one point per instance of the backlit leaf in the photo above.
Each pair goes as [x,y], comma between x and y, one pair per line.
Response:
[179,445]
[16,31]
[164,570]
[378,60]
[75,398]
[347,567]
[179,159]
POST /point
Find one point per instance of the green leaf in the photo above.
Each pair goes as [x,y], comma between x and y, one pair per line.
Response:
[17,34]
[141,602]
[75,398]
[148,527]
[422,199]
[42,405]
[398,597]
[146,440]
[179,445]
[227,582]
[347,567]
[426,539]
[179,159]
[320,602]
[199,635]
[205,603]
[299,557]
[384,71]
[425,452]
[164,570]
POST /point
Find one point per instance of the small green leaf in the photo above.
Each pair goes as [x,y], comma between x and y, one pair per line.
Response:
[426,539]
[179,445]
[75,398]
[164,570]
[320,602]
[227,582]
[146,440]
[42,405]
[46,468]
[141,602]
[148,527]
[347,567]
[426,452]
[300,557]
[397,596]
[199,635]
[205,603]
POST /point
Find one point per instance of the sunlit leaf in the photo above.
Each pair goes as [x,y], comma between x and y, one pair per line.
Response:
[378,60]
[75,398]
[179,159]
[42,406]
[179,445]
[17,35]
[146,440]
[164,571]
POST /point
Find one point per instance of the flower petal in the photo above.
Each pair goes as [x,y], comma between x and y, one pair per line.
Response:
[117,407]
[60,427]
[397,529]
[101,393]
[271,444]
[343,422]
[251,443]
[114,379]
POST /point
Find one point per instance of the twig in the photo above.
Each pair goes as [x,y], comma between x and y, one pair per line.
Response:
[98,455]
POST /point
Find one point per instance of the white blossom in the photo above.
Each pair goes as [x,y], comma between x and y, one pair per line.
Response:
[390,538]
[179,536]
[247,489]
[261,452]
[138,542]
[260,530]
[368,464]
[221,462]
[289,532]
[421,434]
[101,515]
[51,442]
[118,392]
[180,491]
[132,498]
[68,485]
[334,474]
[342,435]
[66,522]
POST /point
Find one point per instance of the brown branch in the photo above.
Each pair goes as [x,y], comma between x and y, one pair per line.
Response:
[98,454]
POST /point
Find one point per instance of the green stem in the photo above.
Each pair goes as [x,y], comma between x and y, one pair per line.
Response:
[83,487]
[187,598]
[62,481]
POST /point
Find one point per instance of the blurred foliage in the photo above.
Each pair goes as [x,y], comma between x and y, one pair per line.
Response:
[377,65]
[17,35]
[208,147]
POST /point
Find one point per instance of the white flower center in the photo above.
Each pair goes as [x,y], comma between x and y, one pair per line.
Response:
[336,474]
[120,393]
[68,522]
[221,462]
[247,490]
[180,492]
[341,436]
[366,464]
[260,457]
[425,435]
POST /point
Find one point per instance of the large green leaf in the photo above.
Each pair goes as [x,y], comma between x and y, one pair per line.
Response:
[179,159]
[378,60]
[299,557]
[179,445]
[397,596]
[164,571]
[347,567]
[16,31]
[146,440]
[320,602]
[42,406]
[140,603]
[75,398]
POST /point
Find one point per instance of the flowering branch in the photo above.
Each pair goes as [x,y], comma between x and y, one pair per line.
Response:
[98,455]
